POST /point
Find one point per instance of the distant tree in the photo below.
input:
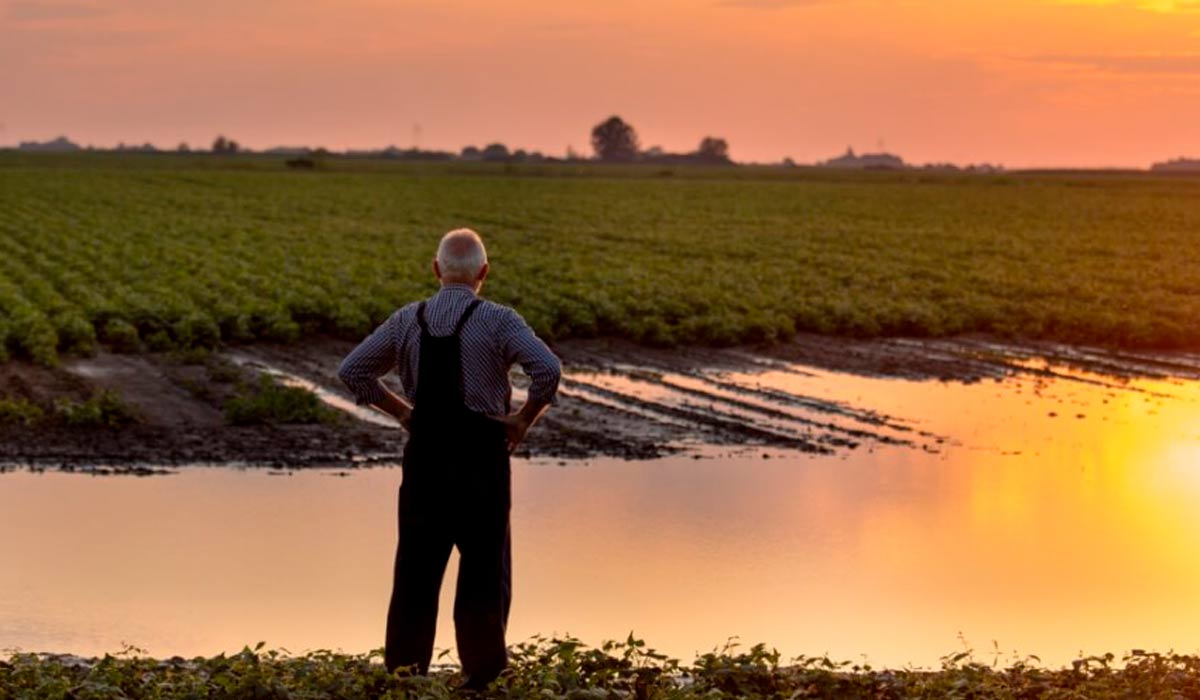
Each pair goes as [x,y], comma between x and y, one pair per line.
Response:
[614,140]
[470,153]
[183,147]
[713,150]
[495,151]
[224,145]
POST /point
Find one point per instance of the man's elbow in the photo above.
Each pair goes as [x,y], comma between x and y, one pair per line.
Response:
[553,373]
[551,376]
[347,374]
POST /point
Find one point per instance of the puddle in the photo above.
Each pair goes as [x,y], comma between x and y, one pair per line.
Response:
[1050,509]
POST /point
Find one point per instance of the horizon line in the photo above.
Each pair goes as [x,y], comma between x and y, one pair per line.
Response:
[782,160]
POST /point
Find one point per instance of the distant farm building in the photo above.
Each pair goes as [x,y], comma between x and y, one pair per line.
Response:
[59,145]
[866,161]
[1179,165]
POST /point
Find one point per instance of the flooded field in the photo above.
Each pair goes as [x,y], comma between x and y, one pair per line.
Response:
[1040,503]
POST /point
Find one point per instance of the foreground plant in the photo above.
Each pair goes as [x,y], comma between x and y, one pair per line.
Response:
[567,668]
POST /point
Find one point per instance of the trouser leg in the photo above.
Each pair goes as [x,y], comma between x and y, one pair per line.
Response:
[483,596]
[421,556]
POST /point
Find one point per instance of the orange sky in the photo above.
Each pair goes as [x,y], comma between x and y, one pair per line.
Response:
[1021,82]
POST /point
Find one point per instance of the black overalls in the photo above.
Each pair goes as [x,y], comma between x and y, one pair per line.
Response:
[455,492]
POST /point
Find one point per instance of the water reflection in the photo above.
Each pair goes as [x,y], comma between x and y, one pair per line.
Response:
[1060,518]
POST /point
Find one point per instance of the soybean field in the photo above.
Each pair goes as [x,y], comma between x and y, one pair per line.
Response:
[152,253]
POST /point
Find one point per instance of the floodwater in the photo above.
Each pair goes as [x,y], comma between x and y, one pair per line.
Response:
[1034,515]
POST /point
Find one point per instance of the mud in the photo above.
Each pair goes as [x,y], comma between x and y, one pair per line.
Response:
[617,400]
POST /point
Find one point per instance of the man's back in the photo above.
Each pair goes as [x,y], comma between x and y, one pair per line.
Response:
[493,339]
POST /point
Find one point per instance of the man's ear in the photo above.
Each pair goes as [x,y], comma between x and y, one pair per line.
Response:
[482,273]
[436,270]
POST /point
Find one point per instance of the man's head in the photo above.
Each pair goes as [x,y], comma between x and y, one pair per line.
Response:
[461,258]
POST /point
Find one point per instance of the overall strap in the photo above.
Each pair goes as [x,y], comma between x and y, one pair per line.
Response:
[421,318]
[462,320]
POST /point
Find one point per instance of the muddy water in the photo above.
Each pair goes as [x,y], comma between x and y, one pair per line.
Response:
[1048,513]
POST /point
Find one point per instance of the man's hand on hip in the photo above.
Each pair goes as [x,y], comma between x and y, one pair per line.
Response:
[515,428]
[396,407]
[516,425]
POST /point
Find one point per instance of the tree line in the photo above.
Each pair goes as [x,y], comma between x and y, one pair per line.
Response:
[615,140]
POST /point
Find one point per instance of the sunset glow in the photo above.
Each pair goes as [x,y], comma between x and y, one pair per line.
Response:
[1020,82]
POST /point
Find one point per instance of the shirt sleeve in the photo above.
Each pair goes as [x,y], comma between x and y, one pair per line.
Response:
[374,357]
[520,345]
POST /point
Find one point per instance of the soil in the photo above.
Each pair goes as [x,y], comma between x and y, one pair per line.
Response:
[617,399]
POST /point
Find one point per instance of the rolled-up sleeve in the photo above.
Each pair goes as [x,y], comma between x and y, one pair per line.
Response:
[374,357]
[520,345]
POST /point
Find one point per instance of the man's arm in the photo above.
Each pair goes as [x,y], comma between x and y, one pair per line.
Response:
[521,346]
[374,357]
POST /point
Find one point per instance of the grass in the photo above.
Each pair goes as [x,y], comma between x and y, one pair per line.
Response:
[164,252]
[267,402]
[566,669]
[104,409]
[18,411]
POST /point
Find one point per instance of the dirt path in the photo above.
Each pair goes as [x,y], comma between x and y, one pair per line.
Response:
[152,388]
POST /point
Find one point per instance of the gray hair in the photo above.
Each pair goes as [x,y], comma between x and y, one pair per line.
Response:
[461,254]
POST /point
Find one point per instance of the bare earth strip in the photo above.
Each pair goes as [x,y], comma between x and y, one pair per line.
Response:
[618,399]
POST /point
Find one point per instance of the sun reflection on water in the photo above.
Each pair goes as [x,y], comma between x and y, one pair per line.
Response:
[1061,516]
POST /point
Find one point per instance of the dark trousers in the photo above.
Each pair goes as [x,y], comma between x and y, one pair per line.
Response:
[460,498]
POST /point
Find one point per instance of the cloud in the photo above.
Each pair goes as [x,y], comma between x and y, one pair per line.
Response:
[27,10]
[1170,6]
[1162,6]
[1173,64]
[770,4]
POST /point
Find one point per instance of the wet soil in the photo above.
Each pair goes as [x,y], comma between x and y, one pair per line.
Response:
[177,404]
[617,399]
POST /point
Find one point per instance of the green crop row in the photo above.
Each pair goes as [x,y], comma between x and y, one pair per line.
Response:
[143,254]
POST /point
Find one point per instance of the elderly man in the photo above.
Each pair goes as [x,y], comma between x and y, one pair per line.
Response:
[453,352]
